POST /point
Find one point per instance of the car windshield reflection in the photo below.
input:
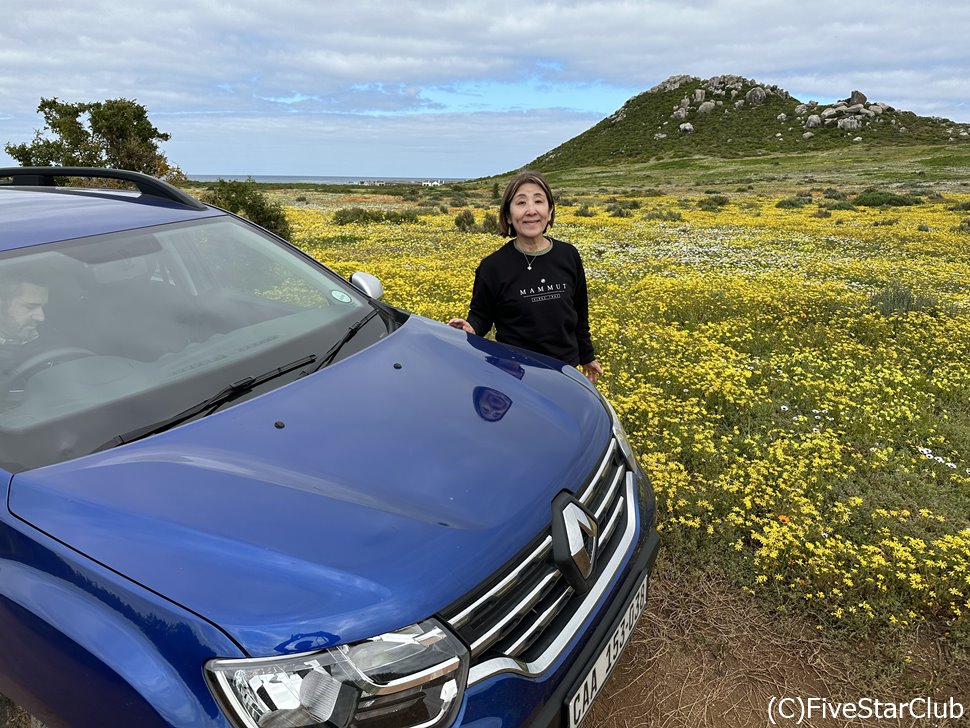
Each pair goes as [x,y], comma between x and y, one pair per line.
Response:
[106,334]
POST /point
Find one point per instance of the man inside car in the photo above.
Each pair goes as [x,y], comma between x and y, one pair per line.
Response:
[23,296]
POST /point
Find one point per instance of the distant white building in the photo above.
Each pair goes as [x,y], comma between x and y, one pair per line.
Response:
[432,183]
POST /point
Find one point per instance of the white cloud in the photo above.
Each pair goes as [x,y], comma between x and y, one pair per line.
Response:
[278,70]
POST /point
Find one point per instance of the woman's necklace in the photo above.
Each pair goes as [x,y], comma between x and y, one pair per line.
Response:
[528,263]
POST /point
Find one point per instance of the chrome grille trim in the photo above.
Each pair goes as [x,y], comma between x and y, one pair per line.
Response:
[609,494]
[540,624]
[538,555]
[540,664]
[607,530]
[590,488]
[494,634]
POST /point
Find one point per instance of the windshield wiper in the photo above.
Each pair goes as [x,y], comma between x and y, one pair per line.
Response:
[206,406]
[351,332]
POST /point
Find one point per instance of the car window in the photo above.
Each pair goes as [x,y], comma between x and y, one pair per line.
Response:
[225,262]
[108,333]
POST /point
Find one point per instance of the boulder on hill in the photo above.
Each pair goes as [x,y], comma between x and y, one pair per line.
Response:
[756,96]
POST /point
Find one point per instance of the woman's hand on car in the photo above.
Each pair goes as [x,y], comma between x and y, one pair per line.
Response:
[460,323]
[593,370]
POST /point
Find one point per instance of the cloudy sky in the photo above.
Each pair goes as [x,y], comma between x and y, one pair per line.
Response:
[448,88]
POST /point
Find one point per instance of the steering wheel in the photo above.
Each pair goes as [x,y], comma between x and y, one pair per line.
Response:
[43,359]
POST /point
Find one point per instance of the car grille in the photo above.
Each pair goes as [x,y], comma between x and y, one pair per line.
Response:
[520,611]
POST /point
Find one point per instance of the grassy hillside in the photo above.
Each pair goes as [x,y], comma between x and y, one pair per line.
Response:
[916,168]
[733,125]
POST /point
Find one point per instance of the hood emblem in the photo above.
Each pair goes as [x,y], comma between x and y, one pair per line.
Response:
[574,542]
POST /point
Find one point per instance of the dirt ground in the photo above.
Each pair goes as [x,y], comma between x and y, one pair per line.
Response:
[707,655]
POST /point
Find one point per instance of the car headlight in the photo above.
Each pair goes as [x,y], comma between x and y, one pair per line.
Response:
[412,677]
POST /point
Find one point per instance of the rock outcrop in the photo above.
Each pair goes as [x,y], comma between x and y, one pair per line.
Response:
[728,86]
[850,114]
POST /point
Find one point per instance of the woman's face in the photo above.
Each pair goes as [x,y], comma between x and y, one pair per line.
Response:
[529,211]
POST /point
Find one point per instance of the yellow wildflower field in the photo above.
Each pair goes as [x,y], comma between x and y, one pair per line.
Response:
[795,382]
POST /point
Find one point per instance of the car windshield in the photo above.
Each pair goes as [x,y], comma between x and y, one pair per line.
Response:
[108,334]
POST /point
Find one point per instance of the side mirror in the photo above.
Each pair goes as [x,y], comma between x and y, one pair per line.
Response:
[370,285]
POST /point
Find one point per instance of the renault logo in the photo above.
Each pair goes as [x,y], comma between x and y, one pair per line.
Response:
[573,540]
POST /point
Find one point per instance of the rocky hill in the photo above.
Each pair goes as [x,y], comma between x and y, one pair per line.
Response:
[730,116]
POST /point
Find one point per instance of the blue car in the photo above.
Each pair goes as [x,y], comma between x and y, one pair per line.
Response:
[241,491]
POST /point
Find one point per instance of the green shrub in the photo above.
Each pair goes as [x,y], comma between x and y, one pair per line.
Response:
[618,211]
[961,206]
[465,221]
[246,199]
[351,215]
[712,203]
[584,211]
[490,224]
[791,202]
[666,215]
[900,298]
[881,198]
[841,205]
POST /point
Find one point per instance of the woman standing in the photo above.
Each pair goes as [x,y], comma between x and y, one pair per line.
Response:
[533,288]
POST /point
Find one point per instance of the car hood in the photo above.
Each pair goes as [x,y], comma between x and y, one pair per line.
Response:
[356,500]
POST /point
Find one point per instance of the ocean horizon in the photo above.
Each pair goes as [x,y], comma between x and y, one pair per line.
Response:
[318,180]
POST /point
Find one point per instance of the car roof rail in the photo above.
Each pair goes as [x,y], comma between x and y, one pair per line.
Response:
[146,184]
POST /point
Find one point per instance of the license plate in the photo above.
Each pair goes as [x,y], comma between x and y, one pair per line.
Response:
[580,702]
